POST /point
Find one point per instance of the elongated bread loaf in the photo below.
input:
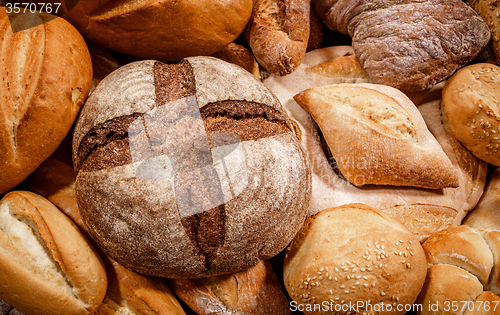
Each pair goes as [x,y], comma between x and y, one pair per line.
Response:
[47,266]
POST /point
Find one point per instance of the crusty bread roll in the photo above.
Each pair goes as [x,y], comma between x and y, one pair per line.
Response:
[128,292]
[377,136]
[278,33]
[463,262]
[410,45]
[47,266]
[47,73]
[240,56]
[161,197]
[163,30]
[253,291]
[135,294]
[470,104]
[353,255]
[488,9]
[423,211]
[486,214]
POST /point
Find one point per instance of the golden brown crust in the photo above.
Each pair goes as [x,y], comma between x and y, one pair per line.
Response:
[253,291]
[127,291]
[445,284]
[488,9]
[70,280]
[240,56]
[400,150]
[49,94]
[278,34]
[471,107]
[163,30]
[463,262]
[424,211]
[486,214]
[350,254]
[462,247]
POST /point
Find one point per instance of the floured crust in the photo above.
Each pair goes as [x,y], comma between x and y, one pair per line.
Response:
[82,284]
[278,34]
[198,160]
[255,290]
[46,82]
[410,45]
[423,211]
[377,136]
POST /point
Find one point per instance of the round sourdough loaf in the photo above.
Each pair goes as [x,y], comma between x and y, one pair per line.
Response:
[47,73]
[47,267]
[188,170]
[166,29]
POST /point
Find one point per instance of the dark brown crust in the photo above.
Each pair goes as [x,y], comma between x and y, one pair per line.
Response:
[410,45]
[177,128]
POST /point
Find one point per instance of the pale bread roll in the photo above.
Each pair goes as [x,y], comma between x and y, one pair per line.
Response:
[485,304]
[47,266]
[377,136]
[486,214]
[462,277]
[445,284]
[462,247]
[351,254]
[128,292]
[470,103]
[423,211]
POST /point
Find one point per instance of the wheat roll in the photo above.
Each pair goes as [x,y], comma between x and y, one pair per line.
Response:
[47,74]
[164,30]
[47,266]
[470,103]
[354,255]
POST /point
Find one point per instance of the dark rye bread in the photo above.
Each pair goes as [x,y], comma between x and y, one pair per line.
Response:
[160,186]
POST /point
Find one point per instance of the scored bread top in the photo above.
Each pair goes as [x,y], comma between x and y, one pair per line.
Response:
[137,84]
[377,136]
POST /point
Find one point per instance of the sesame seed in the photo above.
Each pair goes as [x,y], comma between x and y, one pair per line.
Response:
[322,269]
[365,285]
[346,291]
[383,294]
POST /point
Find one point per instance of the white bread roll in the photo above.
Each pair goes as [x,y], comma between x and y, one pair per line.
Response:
[463,272]
[46,265]
[486,214]
[353,254]
[422,211]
